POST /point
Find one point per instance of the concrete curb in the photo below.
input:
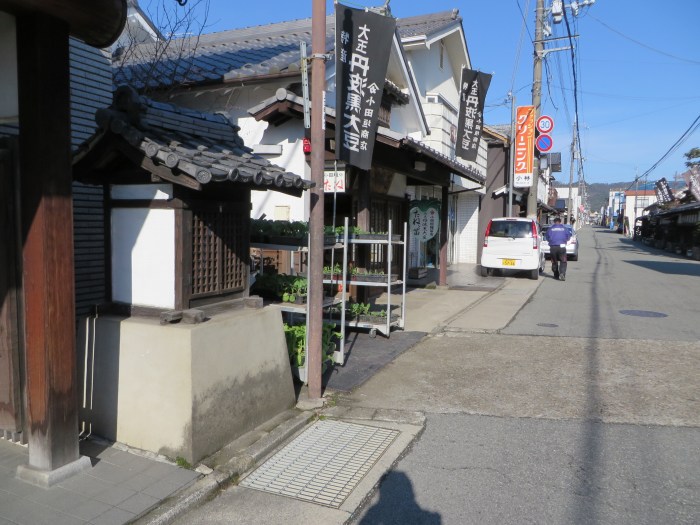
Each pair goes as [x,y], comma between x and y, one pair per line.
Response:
[205,487]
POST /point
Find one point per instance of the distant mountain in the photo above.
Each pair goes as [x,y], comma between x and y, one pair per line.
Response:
[598,192]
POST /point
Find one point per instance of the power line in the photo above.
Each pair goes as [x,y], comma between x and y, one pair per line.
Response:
[573,69]
[686,134]
[523,27]
[643,44]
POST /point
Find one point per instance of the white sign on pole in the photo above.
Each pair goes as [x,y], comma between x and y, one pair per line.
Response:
[334,181]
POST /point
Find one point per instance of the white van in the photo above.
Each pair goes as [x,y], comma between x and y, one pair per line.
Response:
[512,243]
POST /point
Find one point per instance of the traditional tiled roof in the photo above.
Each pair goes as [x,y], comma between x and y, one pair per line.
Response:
[427,25]
[203,147]
[406,142]
[235,54]
[240,54]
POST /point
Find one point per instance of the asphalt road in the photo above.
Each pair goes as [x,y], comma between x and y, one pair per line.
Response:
[584,409]
[618,289]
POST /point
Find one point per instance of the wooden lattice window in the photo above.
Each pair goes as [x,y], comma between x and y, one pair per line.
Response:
[219,252]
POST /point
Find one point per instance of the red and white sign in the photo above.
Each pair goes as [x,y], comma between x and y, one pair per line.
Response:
[524,146]
[545,124]
[334,181]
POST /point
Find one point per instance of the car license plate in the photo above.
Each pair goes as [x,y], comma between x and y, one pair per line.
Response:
[508,262]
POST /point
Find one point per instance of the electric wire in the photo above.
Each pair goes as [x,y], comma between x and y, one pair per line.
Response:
[523,28]
[573,69]
[686,134]
[642,44]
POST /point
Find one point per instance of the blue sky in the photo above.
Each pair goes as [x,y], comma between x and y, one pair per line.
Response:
[638,72]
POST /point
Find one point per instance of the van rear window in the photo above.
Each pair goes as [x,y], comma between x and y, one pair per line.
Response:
[515,229]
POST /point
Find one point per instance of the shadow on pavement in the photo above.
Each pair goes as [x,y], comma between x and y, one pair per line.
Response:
[397,504]
[670,267]
[366,356]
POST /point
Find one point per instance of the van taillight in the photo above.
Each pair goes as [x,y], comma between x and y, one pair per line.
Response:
[534,235]
[486,235]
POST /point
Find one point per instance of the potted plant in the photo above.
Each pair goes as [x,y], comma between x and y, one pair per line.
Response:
[295,336]
[295,290]
[357,310]
[370,236]
[377,317]
[353,232]
[332,272]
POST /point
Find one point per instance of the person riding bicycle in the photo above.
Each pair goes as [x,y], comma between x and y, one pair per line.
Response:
[557,236]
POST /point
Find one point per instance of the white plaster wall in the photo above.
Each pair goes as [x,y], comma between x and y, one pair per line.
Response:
[430,78]
[143,257]
[289,136]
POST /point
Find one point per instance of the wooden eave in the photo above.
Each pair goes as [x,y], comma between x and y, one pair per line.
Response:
[98,23]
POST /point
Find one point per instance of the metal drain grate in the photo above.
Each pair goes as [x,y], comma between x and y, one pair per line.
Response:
[324,463]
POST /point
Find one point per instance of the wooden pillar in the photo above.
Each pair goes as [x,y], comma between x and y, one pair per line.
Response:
[444,211]
[47,230]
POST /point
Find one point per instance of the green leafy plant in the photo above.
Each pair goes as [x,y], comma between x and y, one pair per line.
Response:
[358,309]
[295,336]
[335,270]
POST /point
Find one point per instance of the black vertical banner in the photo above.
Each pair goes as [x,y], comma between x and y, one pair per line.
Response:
[663,191]
[362,49]
[472,95]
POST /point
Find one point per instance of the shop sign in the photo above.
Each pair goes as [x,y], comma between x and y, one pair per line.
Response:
[694,184]
[334,181]
[663,191]
[471,112]
[424,219]
[363,46]
[524,146]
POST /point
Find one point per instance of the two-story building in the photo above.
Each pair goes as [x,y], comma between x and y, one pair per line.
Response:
[253,75]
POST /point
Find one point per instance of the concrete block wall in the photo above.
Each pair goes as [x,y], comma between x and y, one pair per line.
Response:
[180,389]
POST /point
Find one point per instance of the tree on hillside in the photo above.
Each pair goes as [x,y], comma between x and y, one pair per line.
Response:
[691,155]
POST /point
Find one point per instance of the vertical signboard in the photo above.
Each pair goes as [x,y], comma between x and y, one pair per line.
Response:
[363,46]
[424,219]
[471,112]
[663,191]
[694,184]
[524,146]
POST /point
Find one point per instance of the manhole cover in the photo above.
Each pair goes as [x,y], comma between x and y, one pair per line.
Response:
[642,313]
[324,463]
[548,325]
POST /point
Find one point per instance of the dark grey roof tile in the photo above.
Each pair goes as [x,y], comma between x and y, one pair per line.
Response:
[203,146]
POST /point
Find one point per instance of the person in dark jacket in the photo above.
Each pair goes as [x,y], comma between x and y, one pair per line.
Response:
[557,236]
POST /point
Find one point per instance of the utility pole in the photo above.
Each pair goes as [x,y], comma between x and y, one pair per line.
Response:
[318,149]
[511,152]
[536,101]
[569,209]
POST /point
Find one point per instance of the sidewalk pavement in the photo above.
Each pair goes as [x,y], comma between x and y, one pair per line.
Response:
[129,486]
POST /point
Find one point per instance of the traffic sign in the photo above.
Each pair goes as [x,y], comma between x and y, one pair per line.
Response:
[544,143]
[545,124]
